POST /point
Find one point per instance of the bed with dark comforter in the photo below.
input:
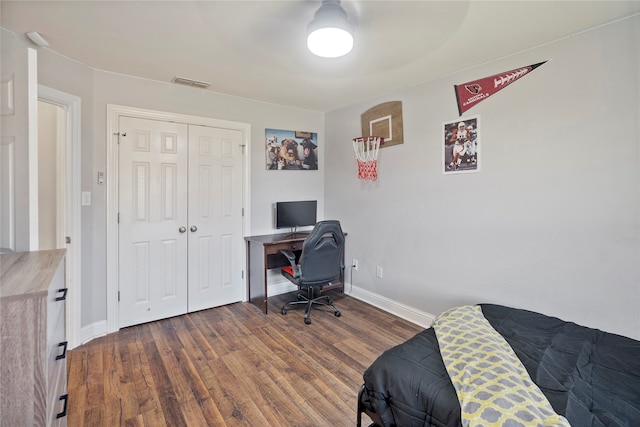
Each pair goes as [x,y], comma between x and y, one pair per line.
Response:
[590,377]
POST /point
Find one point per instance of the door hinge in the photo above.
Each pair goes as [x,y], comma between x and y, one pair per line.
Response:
[119,135]
[118,296]
[118,217]
[68,240]
[242,274]
[242,211]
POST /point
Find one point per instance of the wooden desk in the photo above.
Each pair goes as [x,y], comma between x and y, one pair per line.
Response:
[263,253]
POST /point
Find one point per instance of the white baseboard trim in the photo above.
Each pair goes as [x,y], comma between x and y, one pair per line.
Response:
[280,288]
[99,329]
[394,307]
[94,330]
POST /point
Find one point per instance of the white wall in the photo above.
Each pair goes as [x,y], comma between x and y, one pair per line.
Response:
[552,221]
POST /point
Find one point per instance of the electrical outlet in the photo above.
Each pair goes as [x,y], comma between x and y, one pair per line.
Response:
[379,272]
[355,264]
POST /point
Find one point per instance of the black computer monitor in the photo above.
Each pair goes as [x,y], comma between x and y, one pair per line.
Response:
[296,214]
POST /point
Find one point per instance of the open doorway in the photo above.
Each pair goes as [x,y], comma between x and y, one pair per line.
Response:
[51,195]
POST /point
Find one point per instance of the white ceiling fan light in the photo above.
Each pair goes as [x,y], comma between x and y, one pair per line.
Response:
[37,39]
[330,34]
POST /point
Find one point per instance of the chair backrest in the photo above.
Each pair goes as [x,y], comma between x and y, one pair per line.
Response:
[321,260]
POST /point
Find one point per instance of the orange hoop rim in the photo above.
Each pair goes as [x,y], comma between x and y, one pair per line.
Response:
[368,138]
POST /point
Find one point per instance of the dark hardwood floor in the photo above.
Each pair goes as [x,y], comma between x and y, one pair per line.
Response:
[232,366]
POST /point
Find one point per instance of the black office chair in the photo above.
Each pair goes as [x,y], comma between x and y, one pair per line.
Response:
[320,262]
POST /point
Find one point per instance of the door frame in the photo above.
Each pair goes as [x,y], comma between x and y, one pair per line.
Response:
[114,112]
[69,166]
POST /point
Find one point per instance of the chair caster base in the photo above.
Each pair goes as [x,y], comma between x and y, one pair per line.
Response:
[308,302]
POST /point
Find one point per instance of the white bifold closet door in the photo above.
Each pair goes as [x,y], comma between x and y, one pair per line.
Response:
[180,219]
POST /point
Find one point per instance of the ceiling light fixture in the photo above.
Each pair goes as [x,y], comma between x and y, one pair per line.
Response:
[330,34]
[37,39]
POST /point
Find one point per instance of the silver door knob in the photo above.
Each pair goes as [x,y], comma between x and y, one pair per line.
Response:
[182,229]
[194,228]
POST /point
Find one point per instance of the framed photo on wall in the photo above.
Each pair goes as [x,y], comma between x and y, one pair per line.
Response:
[461,145]
[291,150]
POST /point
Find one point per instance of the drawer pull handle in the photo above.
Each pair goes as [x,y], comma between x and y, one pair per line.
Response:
[64,350]
[64,294]
[64,410]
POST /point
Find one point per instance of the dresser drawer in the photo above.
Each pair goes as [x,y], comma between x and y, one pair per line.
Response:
[56,357]
[56,301]
[57,394]
[56,333]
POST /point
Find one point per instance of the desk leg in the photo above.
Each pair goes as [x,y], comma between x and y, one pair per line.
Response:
[257,275]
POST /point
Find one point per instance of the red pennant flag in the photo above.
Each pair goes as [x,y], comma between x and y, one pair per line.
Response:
[471,93]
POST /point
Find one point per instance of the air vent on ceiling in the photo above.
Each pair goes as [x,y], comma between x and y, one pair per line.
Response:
[189,82]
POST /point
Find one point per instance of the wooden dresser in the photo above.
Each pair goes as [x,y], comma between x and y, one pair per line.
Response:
[33,368]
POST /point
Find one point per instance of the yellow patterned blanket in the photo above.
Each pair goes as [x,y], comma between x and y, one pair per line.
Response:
[492,385]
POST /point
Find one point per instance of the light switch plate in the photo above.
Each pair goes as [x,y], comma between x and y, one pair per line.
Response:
[86,198]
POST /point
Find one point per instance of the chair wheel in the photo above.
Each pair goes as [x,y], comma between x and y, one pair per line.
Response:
[307,320]
[283,311]
[337,313]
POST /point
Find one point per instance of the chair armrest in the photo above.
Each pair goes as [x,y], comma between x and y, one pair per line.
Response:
[292,260]
[290,256]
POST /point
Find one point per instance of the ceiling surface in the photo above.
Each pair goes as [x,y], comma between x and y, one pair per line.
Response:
[257,49]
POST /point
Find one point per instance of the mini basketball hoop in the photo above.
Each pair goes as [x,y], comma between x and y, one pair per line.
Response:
[366,149]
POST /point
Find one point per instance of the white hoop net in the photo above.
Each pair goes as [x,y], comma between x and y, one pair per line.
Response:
[366,149]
